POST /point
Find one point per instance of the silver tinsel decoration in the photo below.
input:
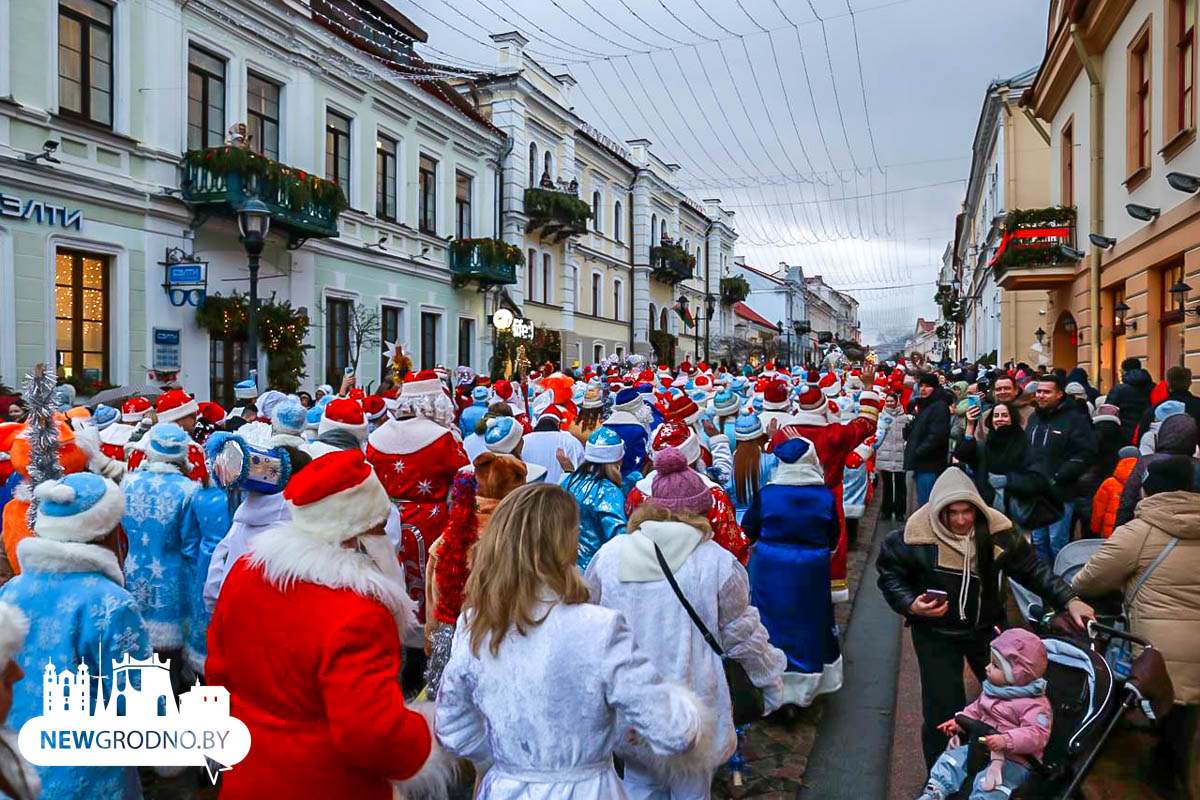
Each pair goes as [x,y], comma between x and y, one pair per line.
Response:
[41,430]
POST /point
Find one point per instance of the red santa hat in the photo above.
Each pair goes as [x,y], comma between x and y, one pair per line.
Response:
[686,368]
[769,369]
[175,405]
[682,408]
[344,414]
[212,413]
[425,382]
[811,398]
[337,496]
[503,390]
[775,398]
[645,376]
[831,384]
[134,409]
[704,383]
[373,407]
[677,435]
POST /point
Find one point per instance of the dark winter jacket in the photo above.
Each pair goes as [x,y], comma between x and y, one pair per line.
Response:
[927,437]
[1178,436]
[913,560]
[1006,452]
[1079,375]
[1132,396]
[1062,445]
[1191,406]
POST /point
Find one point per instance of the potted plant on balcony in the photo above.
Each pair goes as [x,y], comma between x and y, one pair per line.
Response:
[1032,236]
[735,289]
[489,261]
[557,214]
[671,263]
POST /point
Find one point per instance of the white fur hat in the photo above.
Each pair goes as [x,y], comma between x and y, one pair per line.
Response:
[337,497]
[14,626]
[81,507]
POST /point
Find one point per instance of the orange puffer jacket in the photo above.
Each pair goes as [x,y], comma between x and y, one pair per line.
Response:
[1108,498]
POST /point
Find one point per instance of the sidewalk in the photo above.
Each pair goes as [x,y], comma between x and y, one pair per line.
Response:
[777,753]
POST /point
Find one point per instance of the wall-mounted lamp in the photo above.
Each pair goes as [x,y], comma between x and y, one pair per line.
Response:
[1183,182]
[1101,241]
[1071,253]
[1144,213]
[1040,334]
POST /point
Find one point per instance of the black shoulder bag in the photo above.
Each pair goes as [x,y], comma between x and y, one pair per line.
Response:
[746,698]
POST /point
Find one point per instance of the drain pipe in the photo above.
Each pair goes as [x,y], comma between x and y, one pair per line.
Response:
[1096,223]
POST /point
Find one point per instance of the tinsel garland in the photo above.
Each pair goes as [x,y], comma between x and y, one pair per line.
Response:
[462,531]
[41,430]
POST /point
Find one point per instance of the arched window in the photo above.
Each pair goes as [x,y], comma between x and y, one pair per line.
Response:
[687,244]
[530,269]
[549,166]
[533,163]
[596,218]
[654,230]
[662,319]
[597,354]
[653,316]
[617,296]
[617,220]
[546,278]
[597,288]
[698,257]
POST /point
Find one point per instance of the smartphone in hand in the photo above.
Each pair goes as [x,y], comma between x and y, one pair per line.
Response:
[935,596]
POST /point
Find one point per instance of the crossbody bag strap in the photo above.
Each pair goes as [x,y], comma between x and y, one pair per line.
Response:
[1137,587]
[691,612]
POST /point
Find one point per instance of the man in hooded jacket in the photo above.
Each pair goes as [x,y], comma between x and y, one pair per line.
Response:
[957,546]
[1178,436]
[1132,396]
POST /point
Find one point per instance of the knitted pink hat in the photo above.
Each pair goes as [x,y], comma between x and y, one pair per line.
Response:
[676,486]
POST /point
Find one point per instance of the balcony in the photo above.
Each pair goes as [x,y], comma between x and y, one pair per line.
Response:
[734,290]
[221,179]
[670,263]
[1036,249]
[557,214]
[488,262]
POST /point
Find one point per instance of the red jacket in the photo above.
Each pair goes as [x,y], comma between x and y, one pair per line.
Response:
[1108,498]
[312,672]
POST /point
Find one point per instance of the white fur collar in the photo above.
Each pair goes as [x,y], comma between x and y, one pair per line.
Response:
[288,556]
[815,418]
[401,437]
[646,484]
[36,554]
[23,491]
[286,440]
[161,467]
[798,474]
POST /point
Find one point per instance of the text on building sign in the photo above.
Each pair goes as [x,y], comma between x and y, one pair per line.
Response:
[39,211]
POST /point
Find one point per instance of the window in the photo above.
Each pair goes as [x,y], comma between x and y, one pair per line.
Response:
[545,277]
[617,286]
[620,352]
[206,99]
[462,206]
[1137,140]
[1067,191]
[1171,320]
[385,177]
[549,173]
[429,339]
[391,327]
[228,363]
[337,339]
[1179,70]
[597,353]
[617,220]
[85,60]
[654,230]
[427,178]
[262,109]
[596,218]
[466,341]
[337,151]
[530,267]
[81,288]
[662,319]
[597,287]
[533,164]
[653,317]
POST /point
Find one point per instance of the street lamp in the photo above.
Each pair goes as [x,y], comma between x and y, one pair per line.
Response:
[254,222]
[1040,334]
[1120,310]
[710,308]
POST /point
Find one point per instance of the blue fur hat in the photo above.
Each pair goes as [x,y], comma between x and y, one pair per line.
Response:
[758,403]
[726,403]
[246,389]
[627,398]
[747,427]
[288,417]
[502,434]
[105,416]
[81,507]
[480,394]
[604,446]
[168,442]
[312,419]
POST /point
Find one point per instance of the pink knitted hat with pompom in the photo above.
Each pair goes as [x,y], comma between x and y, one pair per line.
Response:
[676,486]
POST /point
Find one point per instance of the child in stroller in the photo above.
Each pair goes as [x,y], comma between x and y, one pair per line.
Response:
[1013,709]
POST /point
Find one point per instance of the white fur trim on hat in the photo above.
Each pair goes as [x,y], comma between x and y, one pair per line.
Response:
[327,424]
[1105,418]
[690,448]
[14,626]
[414,388]
[344,515]
[186,410]
[86,526]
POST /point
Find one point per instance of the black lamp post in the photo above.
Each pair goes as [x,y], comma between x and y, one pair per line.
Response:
[710,308]
[254,221]
[1040,334]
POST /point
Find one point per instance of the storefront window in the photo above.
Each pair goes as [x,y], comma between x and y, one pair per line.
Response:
[429,339]
[1172,319]
[337,340]
[228,363]
[81,289]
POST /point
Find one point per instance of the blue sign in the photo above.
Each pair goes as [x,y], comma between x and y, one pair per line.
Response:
[179,274]
[166,349]
[166,336]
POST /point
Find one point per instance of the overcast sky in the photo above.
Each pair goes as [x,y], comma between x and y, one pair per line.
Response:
[762,105]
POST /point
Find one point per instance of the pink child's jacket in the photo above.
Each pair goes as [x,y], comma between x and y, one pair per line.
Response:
[1025,721]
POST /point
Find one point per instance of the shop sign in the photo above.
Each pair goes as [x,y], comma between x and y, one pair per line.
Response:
[166,350]
[185,278]
[39,211]
[522,328]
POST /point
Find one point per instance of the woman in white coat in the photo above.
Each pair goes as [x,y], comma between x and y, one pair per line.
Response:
[625,575]
[543,684]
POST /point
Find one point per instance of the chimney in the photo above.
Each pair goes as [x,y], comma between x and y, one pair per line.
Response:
[510,47]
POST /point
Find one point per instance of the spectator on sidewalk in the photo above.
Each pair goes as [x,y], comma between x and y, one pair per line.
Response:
[1004,390]
[889,457]
[1179,386]
[1178,436]
[943,574]
[1108,496]
[1000,466]
[1132,396]
[927,438]
[1166,607]
[1062,445]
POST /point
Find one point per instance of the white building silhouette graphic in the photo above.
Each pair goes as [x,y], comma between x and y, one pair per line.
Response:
[140,688]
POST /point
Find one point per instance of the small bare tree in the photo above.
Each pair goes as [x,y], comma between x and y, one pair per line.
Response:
[365,330]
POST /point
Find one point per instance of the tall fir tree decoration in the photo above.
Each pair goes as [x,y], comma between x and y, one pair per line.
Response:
[41,430]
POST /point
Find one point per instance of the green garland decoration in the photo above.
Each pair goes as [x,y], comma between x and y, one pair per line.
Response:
[1051,217]
[301,188]
[491,251]
[281,332]
[547,205]
[735,289]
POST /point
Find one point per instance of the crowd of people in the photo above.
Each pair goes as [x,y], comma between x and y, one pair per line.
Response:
[529,581]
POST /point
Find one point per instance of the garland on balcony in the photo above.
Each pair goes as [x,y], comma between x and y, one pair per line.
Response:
[664,345]
[494,251]
[546,205]
[1032,256]
[1054,216]
[281,332]
[735,289]
[301,188]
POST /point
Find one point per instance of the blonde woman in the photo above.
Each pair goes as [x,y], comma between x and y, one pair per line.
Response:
[538,678]
[626,576]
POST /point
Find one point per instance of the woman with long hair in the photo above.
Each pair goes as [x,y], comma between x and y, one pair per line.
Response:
[538,677]
[596,487]
[999,463]
[752,466]
[590,417]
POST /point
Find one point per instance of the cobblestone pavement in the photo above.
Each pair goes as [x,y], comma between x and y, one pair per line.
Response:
[777,750]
